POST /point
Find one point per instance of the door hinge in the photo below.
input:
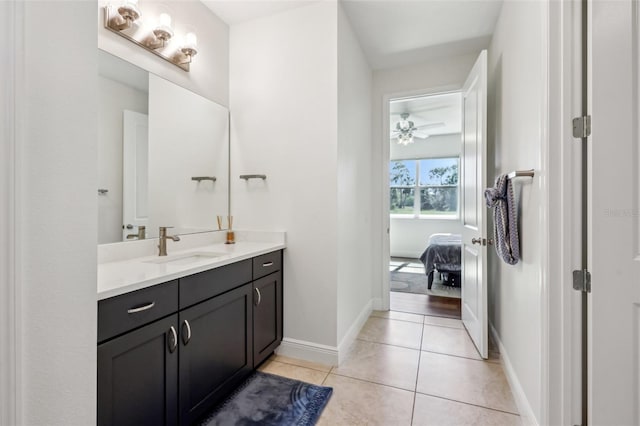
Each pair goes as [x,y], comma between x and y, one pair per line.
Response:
[582,127]
[582,280]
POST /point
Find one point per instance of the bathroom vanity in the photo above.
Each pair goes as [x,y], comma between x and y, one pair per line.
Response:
[176,335]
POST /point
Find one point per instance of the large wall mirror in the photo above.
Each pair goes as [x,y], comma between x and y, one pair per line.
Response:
[163,155]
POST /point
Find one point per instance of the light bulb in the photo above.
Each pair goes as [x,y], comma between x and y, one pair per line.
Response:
[165,20]
[130,3]
[163,32]
[191,40]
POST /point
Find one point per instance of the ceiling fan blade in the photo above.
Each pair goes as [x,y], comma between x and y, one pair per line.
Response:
[420,110]
[430,125]
[421,135]
[431,108]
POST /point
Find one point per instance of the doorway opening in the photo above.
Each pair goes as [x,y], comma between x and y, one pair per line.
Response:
[425,144]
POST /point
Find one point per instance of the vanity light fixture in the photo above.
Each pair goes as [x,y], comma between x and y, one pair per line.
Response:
[189,48]
[125,20]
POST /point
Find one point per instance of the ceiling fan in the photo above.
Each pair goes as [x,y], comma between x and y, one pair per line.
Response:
[405,130]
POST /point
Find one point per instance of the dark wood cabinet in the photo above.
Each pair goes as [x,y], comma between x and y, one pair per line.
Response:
[138,376]
[267,316]
[215,350]
[168,353]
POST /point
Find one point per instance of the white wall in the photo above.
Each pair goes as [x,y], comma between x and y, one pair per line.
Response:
[283,85]
[209,74]
[516,98]
[444,74]
[408,236]
[114,97]
[355,267]
[57,212]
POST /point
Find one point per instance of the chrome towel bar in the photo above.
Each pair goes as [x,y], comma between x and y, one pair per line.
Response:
[247,177]
[201,178]
[521,173]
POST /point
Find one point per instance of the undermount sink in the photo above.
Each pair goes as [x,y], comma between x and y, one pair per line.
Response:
[185,259]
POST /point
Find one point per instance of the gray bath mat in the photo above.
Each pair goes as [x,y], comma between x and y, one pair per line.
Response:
[269,400]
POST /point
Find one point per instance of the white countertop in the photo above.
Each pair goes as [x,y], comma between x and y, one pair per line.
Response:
[124,275]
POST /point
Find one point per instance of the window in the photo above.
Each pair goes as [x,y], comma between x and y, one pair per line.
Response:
[425,187]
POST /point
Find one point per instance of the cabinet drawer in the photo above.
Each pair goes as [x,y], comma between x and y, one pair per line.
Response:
[267,264]
[120,314]
[202,286]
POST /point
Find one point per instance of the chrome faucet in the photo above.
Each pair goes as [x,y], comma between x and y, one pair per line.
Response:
[163,240]
[141,235]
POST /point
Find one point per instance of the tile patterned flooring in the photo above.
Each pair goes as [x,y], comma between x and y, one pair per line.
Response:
[409,369]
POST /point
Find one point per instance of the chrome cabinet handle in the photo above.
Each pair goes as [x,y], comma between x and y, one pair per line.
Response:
[186,337]
[267,264]
[259,296]
[476,241]
[141,308]
[173,340]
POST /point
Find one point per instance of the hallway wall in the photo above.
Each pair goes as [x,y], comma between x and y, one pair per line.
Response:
[56,212]
[355,268]
[283,90]
[516,134]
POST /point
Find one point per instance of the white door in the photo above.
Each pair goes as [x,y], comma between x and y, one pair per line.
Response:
[135,171]
[474,255]
[614,214]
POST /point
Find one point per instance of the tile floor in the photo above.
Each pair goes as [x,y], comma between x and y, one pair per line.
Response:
[409,369]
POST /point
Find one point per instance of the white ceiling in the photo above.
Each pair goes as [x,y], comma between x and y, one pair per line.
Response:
[393,33]
[439,114]
[405,32]
[236,11]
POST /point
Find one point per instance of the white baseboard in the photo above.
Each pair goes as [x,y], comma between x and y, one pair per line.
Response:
[376,304]
[309,351]
[354,330]
[324,354]
[406,255]
[524,408]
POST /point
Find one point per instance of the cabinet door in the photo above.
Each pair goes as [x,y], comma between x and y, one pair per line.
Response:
[137,376]
[267,316]
[215,350]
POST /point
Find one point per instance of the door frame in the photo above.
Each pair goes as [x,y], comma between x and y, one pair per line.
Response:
[384,167]
[10,224]
[562,158]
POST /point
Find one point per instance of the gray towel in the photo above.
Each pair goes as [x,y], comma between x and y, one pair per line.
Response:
[505,217]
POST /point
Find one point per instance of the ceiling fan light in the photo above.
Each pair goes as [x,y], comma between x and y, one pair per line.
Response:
[405,139]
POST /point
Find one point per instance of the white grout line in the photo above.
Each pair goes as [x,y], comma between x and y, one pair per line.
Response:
[302,366]
[388,344]
[372,382]
[413,408]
